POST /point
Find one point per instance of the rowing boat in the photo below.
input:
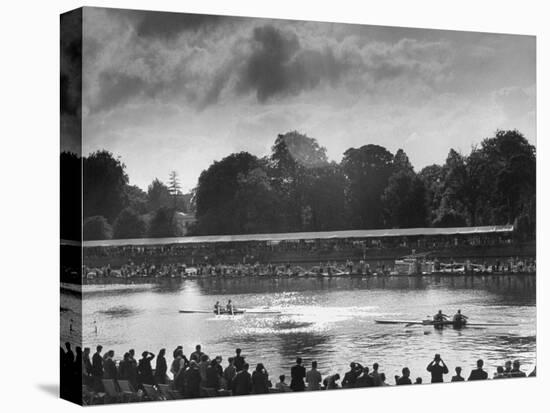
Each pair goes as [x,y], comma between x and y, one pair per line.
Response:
[443,323]
[225,312]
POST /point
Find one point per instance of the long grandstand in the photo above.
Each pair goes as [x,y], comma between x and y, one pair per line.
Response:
[486,245]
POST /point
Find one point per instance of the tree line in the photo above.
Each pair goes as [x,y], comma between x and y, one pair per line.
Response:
[296,188]
[111,207]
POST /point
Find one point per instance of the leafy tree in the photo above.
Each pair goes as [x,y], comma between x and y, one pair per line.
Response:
[255,203]
[325,198]
[401,162]
[163,224]
[136,198]
[433,177]
[128,224]
[158,195]
[293,157]
[96,228]
[404,200]
[104,179]
[463,187]
[367,170]
[215,195]
[174,187]
[508,176]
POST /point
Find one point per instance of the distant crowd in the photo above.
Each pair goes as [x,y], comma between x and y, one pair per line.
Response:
[104,380]
[359,267]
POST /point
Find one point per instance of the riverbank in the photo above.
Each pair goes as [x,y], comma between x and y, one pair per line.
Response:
[159,279]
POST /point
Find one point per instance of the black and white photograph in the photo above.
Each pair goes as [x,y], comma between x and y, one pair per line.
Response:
[276,206]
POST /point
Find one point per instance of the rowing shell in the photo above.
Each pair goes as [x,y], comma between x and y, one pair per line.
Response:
[442,323]
[235,312]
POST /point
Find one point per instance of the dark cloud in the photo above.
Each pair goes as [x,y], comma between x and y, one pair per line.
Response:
[118,88]
[71,62]
[70,82]
[278,65]
[168,25]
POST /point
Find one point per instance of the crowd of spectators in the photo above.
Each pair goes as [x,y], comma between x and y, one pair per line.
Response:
[106,380]
[348,267]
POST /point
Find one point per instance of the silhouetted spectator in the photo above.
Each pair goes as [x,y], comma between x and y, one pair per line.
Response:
[331,382]
[458,376]
[375,375]
[281,385]
[478,373]
[242,382]
[144,369]
[192,381]
[212,376]
[229,373]
[109,366]
[365,379]
[516,372]
[161,367]
[405,378]
[238,360]
[313,377]
[197,354]
[97,368]
[260,380]
[297,375]
[437,368]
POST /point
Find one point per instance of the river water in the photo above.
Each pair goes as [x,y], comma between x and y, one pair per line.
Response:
[328,320]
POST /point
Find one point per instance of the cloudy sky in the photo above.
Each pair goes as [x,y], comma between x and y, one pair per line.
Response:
[178,91]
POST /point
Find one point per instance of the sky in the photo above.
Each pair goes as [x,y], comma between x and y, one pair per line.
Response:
[168,91]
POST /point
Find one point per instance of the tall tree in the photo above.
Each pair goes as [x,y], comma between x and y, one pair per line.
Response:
[325,198]
[404,198]
[293,157]
[215,195]
[103,181]
[158,195]
[508,176]
[433,177]
[174,187]
[367,170]
[96,228]
[162,224]
[136,198]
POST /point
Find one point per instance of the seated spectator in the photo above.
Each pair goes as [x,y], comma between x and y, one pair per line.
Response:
[242,382]
[405,378]
[516,372]
[281,386]
[212,376]
[351,376]
[331,382]
[364,380]
[260,380]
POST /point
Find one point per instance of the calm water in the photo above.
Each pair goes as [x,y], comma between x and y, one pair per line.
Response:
[331,321]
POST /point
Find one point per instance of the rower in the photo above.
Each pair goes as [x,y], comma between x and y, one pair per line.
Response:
[439,317]
[217,308]
[459,319]
[229,307]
